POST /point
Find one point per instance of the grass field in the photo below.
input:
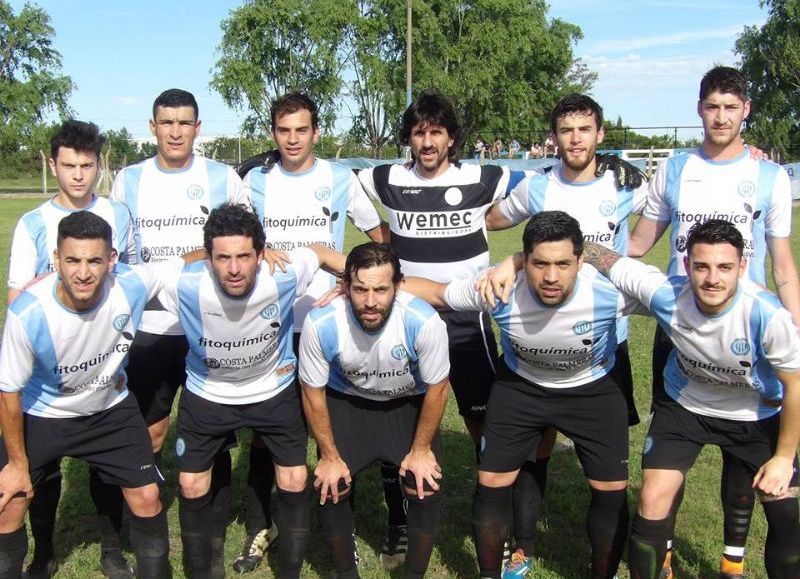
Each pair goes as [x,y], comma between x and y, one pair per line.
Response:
[562,544]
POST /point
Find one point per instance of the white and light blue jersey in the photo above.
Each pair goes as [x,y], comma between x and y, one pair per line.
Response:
[305,207]
[755,196]
[169,209]
[723,365]
[401,359]
[70,363]
[240,348]
[561,346]
[36,234]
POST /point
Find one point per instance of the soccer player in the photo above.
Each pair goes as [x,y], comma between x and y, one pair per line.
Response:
[374,374]
[558,336]
[721,180]
[602,207]
[732,380]
[240,374]
[63,389]
[75,163]
[302,200]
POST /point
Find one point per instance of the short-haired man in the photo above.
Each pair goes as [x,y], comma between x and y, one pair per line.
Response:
[302,200]
[720,180]
[374,373]
[75,162]
[602,206]
[558,335]
[732,380]
[64,389]
[240,374]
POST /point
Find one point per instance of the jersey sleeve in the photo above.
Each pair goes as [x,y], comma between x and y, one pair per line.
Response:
[779,216]
[118,188]
[314,368]
[514,207]
[16,356]
[637,279]
[461,295]
[655,205]
[504,184]
[365,177]
[129,253]
[304,264]
[22,258]
[360,210]
[782,343]
[640,198]
[433,350]
[160,276]
[237,194]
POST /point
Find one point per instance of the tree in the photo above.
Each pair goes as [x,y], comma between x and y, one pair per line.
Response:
[770,60]
[30,81]
[121,149]
[271,48]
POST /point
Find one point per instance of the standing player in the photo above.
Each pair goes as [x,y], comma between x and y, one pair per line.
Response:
[241,368]
[75,163]
[558,335]
[735,363]
[302,200]
[721,181]
[374,370]
[602,207]
[64,389]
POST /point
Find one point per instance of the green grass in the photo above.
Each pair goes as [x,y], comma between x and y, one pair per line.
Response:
[562,544]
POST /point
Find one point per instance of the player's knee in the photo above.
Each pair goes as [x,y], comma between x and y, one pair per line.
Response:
[194,484]
[496,479]
[605,485]
[291,478]
[410,488]
[143,501]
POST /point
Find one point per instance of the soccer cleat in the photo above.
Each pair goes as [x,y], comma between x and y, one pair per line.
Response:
[115,566]
[508,548]
[666,568]
[730,569]
[518,566]
[255,546]
[395,545]
[40,569]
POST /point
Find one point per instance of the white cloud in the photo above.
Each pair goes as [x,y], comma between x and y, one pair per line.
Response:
[126,100]
[617,45]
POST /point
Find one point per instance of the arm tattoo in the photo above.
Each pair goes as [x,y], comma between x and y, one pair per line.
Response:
[600,257]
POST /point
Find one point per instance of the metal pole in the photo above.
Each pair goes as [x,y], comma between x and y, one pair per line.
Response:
[408,52]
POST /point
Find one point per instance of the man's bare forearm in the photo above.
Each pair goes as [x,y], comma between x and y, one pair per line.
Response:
[11,423]
[599,256]
[430,416]
[316,410]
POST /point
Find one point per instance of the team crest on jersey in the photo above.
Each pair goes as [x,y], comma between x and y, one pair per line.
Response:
[269,312]
[323,193]
[746,189]
[194,192]
[120,322]
[582,327]
[399,352]
[180,446]
[145,255]
[607,208]
[680,243]
[740,347]
[453,196]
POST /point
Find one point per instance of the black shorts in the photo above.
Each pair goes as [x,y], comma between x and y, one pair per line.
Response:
[473,361]
[367,430]
[156,368]
[662,346]
[593,416]
[624,377]
[115,442]
[205,428]
[677,436]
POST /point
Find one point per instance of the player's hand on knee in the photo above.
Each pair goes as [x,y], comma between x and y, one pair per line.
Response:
[15,483]
[275,258]
[421,472]
[331,478]
[774,476]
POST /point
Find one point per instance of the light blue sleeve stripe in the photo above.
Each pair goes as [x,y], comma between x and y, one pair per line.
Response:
[188,297]
[256,179]
[43,386]
[325,325]
[502,317]
[340,196]
[514,178]
[762,371]
[218,175]
[287,292]
[537,187]
[34,224]
[604,326]
[672,195]
[767,173]
[123,229]
[624,209]
[418,311]
[135,291]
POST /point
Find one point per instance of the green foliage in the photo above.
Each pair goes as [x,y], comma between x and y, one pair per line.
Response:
[30,81]
[770,60]
[271,48]
[121,149]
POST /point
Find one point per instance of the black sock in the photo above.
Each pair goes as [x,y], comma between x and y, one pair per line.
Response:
[491,519]
[150,540]
[42,514]
[393,494]
[607,524]
[293,513]
[423,526]
[336,527]
[108,503]
[528,498]
[647,547]
[196,521]
[782,548]
[738,499]
[220,495]
[260,479]
[13,548]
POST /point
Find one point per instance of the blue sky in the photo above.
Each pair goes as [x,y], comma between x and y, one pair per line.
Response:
[649,54]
